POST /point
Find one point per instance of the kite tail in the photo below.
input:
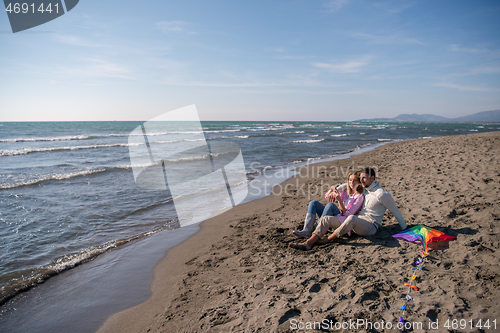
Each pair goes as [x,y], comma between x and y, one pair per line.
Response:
[419,264]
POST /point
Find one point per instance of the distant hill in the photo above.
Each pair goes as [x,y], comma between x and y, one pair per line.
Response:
[485,116]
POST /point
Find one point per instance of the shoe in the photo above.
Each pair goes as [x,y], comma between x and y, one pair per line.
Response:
[308,227]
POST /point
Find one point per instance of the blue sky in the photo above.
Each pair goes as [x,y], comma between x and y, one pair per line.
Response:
[254,60]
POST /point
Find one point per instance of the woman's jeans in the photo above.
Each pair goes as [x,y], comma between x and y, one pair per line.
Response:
[317,208]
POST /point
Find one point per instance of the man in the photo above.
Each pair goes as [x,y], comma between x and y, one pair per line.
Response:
[366,223]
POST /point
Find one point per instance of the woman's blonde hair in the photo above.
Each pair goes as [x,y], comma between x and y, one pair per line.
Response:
[359,188]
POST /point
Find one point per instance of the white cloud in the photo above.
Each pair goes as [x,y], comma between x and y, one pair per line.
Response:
[335,5]
[388,39]
[242,83]
[173,26]
[393,8]
[461,87]
[353,66]
[274,49]
[486,70]
[457,48]
[73,40]
[97,68]
[294,57]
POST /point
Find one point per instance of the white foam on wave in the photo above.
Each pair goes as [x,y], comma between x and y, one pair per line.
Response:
[262,129]
[193,140]
[24,151]
[314,158]
[298,161]
[308,141]
[44,178]
[41,274]
[173,132]
[223,131]
[192,158]
[230,137]
[172,141]
[60,138]
[129,166]
[94,136]
[359,126]
[339,135]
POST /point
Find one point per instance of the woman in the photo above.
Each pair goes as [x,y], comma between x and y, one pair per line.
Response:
[350,200]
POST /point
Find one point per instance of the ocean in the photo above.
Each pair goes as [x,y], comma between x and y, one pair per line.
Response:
[69,192]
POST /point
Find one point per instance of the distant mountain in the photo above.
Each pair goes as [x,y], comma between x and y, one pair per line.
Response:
[485,116]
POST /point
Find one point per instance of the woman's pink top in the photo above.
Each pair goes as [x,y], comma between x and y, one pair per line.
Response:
[352,206]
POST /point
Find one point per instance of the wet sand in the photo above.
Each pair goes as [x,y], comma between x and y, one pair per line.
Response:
[237,274]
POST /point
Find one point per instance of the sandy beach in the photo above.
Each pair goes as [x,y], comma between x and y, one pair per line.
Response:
[237,274]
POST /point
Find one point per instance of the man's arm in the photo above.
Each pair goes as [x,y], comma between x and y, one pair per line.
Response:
[342,187]
[389,203]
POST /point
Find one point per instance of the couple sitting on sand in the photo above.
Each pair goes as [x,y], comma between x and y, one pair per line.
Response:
[361,194]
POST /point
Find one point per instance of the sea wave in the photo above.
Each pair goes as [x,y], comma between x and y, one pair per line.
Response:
[308,141]
[60,138]
[222,131]
[263,129]
[229,137]
[339,135]
[358,126]
[171,141]
[96,136]
[45,178]
[90,172]
[194,140]
[25,151]
[27,279]
[392,140]
[192,158]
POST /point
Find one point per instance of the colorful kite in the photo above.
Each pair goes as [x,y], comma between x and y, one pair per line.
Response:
[431,239]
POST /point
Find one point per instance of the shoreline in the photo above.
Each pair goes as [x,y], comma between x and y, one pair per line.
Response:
[196,281]
[119,269]
[177,258]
